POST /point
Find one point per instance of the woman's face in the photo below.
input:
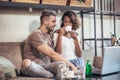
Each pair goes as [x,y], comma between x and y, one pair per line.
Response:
[67,21]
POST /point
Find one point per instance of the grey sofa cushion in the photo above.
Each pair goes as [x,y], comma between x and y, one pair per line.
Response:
[8,67]
[12,51]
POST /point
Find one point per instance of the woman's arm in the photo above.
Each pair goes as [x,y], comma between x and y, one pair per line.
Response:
[78,48]
[58,47]
[77,43]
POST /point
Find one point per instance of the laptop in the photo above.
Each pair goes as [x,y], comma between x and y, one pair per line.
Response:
[111,77]
[111,61]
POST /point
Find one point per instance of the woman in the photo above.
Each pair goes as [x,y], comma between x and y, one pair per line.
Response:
[67,41]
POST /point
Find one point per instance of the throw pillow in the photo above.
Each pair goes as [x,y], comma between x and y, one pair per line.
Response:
[8,67]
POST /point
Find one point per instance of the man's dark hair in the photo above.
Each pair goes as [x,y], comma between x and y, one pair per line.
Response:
[46,14]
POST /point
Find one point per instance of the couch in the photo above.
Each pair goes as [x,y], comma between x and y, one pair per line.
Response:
[13,52]
[12,55]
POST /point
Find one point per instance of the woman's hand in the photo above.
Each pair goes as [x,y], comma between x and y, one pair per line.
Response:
[62,31]
[73,35]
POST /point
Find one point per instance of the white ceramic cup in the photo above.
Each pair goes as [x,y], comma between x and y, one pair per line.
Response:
[68,28]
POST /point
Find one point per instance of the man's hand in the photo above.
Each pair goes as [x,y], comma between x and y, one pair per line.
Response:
[73,67]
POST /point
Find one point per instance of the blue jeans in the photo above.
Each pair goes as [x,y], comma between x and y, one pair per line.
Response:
[77,62]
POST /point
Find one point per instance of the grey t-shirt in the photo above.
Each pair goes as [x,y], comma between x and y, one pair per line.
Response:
[35,39]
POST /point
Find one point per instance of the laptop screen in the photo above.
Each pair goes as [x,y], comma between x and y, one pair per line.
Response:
[111,60]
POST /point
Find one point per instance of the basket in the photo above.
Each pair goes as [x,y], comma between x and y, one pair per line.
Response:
[4,0]
[27,1]
[86,3]
[54,2]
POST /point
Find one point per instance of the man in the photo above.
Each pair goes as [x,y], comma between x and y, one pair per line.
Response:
[38,52]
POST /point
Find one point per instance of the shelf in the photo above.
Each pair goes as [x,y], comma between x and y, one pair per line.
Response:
[105,14]
[43,6]
[98,39]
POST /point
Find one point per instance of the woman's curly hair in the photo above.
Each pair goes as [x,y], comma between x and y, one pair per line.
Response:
[73,18]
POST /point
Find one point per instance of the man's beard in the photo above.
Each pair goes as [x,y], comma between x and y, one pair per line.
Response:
[50,31]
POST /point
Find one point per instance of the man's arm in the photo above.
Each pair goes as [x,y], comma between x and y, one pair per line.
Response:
[56,56]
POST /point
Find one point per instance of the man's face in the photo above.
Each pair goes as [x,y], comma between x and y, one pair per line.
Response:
[51,23]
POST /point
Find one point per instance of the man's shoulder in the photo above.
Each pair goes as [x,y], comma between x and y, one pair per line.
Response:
[35,32]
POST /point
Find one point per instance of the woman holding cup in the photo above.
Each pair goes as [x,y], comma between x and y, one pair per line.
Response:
[67,40]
